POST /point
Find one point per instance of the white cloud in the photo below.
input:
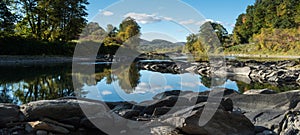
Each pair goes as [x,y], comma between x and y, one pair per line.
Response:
[143,18]
[146,18]
[106,92]
[194,22]
[107,13]
[209,20]
[168,18]
[191,21]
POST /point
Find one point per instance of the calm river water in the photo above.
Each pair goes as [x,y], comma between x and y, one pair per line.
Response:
[22,84]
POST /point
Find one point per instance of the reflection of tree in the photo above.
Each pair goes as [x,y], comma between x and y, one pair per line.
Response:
[35,83]
[4,93]
[128,77]
[206,81]
[45,87]
[215,81]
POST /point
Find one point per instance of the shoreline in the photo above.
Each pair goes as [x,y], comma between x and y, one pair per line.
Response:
[20,60]
[264,56]
[40,60]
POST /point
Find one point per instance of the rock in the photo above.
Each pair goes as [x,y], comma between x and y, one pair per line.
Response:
[291,124]
[9,113]
[161,111]
[191,69]
[129,114]
[263,91]
[71,127]
[75,121]
[267,110]
[40,125]
[163,130]
[103,120]
[241,78]
[41,132]
[60,109]
[242,71]
[216,124]
[188,123]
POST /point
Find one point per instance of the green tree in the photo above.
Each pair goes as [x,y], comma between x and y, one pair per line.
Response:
[211,38]
[7,18]
[129,32]
[55,20]
[275,14]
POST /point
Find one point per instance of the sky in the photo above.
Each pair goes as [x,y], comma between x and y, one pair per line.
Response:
[170,20]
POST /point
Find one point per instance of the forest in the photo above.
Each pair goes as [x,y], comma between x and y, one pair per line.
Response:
[42,27]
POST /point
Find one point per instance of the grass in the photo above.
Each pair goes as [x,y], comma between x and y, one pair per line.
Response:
[252,49]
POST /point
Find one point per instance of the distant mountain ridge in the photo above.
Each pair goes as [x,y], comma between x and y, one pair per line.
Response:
[158,44]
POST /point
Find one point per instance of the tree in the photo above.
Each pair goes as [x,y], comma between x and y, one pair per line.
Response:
[53,20]
[221,32]
[129,32]
[7,18]
[264,14]
[211,37]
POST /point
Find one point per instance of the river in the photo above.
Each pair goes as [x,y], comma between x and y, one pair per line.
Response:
[23,84]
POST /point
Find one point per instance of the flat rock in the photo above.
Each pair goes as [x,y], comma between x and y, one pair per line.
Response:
[242,71]
[267,110]
[262,91]
[8,113]
[61,109]
[40,125]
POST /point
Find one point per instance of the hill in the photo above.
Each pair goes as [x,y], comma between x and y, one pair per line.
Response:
[160,45]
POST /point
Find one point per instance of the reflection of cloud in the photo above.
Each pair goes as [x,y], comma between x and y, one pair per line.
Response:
[107,13]
[146,18]
[146,88]
[106,92]
[191,84]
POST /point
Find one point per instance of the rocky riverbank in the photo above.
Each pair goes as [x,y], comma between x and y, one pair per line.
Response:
[247,71]
[173,112]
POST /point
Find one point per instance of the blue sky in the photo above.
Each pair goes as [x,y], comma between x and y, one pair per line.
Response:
[172,20]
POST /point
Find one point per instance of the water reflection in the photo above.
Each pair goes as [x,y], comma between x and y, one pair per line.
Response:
[19,84]
[24,84]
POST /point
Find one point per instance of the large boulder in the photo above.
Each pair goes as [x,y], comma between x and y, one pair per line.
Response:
[223,122]
[290,124]
[242,71]
[61,109]
[9,113]
[266,110]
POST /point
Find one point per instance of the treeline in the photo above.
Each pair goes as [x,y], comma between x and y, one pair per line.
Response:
[127,35]
[272,25]
[267,27]
[36,27]
[212,38]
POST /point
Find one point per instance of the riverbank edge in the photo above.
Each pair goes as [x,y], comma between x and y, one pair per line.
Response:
[19,59]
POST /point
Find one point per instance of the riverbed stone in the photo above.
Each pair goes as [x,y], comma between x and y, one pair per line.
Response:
[40,125]
[41,132]
[267,110]
[9,113]
[53,109]
[262,91]
[242,71]
[188,123]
